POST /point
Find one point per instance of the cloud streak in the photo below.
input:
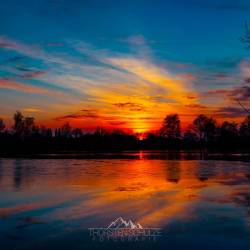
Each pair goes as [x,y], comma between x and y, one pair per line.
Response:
[130,106]
[117,89]
[12,85]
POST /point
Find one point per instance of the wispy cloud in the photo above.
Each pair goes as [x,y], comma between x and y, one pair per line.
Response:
[32,110]
[241,93]
[195,106]
[126,89]
[12,85]
[135,40]
[130,106]
[33,74]
[82,114]
[153,76]
[230,112]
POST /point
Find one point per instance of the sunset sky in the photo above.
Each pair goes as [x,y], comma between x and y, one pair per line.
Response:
[123,64]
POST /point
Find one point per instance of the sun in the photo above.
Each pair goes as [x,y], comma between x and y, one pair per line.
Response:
[140,126]
[141,136]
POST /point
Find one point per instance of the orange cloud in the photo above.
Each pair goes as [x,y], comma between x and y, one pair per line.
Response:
[142,90]
[198,106]
[125,91]
[32,110]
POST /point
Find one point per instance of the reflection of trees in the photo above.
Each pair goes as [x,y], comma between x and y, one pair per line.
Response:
[205,170]
[242,199]
[174,155]
[173,171]
[1,171]
[18,174]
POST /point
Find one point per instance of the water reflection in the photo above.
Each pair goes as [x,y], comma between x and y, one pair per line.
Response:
[173,171]
[69,195]
[1,170]
[17,175]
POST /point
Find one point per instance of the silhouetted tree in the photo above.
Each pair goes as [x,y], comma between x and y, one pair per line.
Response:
[58,132]
[29,122]
[171,126]
[29,138]
[18,123]
[44,132]
[205,126]
[99,132]
[118,132]
[229,130]
[49,132]
[66,130]
[245,127]
[2,125]
[29,125]
[24,125]
[77,133]
[190,135]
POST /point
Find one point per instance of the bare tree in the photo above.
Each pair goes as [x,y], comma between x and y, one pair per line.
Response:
[245,127]
[205,126]
[18,122]
[242,106]
[171,126]
[246,40]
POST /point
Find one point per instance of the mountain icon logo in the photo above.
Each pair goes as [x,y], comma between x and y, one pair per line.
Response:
[121,223]
[123,230]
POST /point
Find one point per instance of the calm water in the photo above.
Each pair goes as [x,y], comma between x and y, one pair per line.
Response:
[51,203]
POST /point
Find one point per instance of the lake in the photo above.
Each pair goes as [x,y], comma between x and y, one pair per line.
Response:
[51,203]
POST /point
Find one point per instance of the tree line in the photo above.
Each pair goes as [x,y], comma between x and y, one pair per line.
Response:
[204,132]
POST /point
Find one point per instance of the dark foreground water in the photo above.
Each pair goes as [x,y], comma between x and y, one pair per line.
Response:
[50,203]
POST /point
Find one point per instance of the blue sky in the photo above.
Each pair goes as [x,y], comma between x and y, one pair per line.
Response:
[113,62]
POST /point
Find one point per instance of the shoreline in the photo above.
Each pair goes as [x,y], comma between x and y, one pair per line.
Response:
[135,154]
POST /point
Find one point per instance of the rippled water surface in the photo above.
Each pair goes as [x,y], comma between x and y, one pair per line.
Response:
[51,203]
